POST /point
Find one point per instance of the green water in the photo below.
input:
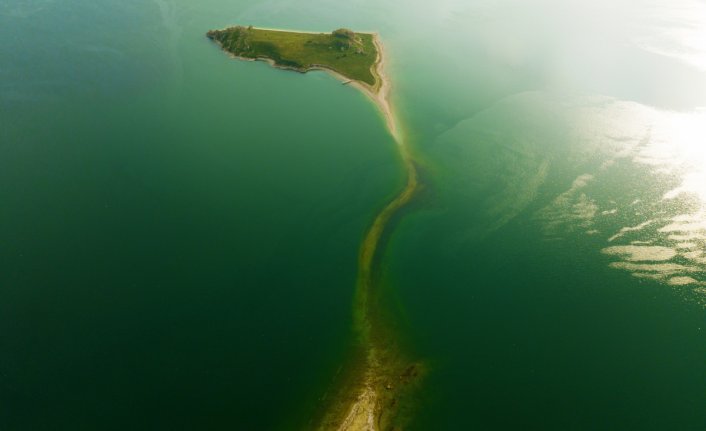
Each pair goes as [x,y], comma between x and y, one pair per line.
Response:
[179,231]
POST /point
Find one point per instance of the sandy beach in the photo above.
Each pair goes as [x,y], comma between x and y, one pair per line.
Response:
[381,94]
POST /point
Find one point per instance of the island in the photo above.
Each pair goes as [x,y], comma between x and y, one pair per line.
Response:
[373,392]
[355,58]
[353,55]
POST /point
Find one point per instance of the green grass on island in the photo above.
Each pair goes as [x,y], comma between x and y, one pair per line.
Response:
[351,54]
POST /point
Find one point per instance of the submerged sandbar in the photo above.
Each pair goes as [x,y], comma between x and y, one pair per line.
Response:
[379,375]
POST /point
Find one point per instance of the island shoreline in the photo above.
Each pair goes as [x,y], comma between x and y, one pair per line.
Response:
[379,94]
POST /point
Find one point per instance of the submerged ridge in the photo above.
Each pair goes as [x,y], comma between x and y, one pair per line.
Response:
[368,398]
[376,388]
[383,372]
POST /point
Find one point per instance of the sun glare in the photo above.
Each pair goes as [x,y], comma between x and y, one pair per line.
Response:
[683,140]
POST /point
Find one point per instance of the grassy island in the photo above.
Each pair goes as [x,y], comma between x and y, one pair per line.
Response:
[350,54]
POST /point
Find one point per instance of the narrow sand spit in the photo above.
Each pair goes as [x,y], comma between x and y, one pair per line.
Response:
[365,410]
[380,94]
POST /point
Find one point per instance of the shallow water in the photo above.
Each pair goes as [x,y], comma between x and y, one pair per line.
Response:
[179,230]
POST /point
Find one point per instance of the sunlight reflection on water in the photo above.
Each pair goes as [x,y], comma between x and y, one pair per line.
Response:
[664,204]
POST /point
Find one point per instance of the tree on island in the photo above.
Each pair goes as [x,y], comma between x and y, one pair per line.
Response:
[242,39]
[344,33]
[346,39]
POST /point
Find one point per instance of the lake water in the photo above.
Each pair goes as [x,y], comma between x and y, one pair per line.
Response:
[179,230]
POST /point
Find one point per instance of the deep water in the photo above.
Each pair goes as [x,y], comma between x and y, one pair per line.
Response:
[179,230]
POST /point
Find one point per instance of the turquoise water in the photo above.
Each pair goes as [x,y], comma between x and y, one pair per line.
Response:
[179,230]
